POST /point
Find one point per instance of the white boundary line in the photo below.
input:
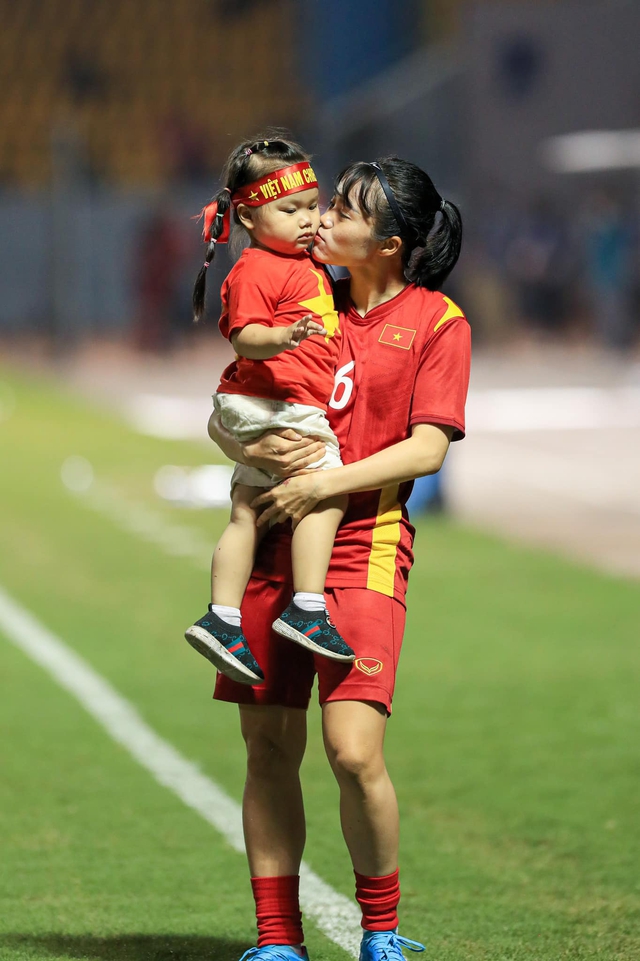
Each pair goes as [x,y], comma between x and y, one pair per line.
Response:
[499,409]
[334,914]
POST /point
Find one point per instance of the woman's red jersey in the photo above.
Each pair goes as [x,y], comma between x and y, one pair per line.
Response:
[406,362]
[276,290]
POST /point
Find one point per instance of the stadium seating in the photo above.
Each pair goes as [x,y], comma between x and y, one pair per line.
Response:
[154,91]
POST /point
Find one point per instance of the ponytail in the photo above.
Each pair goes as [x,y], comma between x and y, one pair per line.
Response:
[223,200]
[431,265]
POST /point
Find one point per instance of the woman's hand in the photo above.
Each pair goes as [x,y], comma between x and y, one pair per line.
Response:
[280,452]
[294,499]
[283,452]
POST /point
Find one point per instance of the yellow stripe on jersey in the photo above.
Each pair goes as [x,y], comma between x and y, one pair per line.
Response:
[452,311]
[381,573]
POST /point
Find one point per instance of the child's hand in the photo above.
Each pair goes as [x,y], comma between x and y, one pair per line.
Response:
[294,334]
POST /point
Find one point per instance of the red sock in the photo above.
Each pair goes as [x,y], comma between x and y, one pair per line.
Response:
[379,899]
[278,910]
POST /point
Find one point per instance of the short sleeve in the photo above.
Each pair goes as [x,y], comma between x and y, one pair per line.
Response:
[250,303]
[442,380]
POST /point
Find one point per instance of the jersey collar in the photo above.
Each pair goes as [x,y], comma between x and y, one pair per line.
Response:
[382,310]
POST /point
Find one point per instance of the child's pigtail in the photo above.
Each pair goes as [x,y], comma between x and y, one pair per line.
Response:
[223,202]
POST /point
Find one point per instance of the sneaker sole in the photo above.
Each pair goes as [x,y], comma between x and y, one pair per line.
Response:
[207,645]
[281,627]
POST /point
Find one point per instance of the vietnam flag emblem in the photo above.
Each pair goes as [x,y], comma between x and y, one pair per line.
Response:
[401,337]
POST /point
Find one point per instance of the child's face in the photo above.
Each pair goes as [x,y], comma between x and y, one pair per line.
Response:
[287,225]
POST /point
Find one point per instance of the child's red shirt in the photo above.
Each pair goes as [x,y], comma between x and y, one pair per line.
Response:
[276,290]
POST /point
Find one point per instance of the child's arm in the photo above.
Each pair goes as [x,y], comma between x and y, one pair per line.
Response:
[259,342]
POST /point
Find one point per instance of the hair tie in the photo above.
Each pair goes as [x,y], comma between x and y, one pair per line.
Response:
[266,143]
[227,189]
[206,264]
[247,151]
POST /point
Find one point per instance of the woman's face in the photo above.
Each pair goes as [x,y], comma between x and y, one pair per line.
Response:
[345,237]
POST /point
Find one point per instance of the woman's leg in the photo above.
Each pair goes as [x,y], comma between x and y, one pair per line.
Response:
[273,817]
[354,740]
[273,812]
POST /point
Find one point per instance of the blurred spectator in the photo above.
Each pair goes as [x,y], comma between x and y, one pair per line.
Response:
[162,315]
[609,261]
[84,79]
[483,276]
[185,150]
[538,261]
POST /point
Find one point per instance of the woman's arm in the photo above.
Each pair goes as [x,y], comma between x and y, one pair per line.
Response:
[422,453]
[283,452]
[259,342]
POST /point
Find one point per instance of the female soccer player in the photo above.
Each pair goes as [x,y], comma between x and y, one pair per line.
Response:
[282,377]
[399,400]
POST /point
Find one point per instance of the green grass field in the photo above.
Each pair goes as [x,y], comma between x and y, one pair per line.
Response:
[514,745]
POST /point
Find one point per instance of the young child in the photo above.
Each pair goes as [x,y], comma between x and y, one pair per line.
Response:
[282,378]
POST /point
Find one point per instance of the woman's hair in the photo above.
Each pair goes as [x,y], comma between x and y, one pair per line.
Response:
[249,161]
[429,252]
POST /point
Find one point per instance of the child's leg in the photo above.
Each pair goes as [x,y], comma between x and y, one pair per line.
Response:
[312,544]
[218,635]
[306,621]
[234,555]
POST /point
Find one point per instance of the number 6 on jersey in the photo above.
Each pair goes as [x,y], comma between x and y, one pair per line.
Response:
[342,380]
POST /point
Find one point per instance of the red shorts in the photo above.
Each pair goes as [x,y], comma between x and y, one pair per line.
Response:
[372,623]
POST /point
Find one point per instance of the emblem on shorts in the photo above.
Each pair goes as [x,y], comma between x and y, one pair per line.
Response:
[369,665]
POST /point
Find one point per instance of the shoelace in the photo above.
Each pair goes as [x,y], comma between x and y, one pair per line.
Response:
[389,946]
[267,954]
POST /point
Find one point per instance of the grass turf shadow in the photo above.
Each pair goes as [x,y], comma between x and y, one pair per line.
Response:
[121,947]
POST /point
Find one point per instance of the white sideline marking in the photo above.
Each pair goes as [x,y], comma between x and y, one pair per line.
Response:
[334,914]
[177,540]
[171,418]
[500,409]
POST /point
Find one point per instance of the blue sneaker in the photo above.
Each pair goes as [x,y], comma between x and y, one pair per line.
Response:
[386,946]
[314,630]
[275,952]
[226,647]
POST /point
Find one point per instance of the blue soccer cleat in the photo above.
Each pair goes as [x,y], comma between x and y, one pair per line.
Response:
[386,946]
[275,952]
[226,647]
[315,631]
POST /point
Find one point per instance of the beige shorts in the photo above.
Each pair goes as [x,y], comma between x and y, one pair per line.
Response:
[245,418]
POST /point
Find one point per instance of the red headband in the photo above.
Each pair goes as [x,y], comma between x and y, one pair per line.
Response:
[279,183]
[273,186]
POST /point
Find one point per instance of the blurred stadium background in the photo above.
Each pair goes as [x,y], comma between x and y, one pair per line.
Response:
[115,119]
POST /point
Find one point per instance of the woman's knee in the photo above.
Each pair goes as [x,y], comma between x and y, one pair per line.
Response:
[353,761]
[353,735]
[275,739]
